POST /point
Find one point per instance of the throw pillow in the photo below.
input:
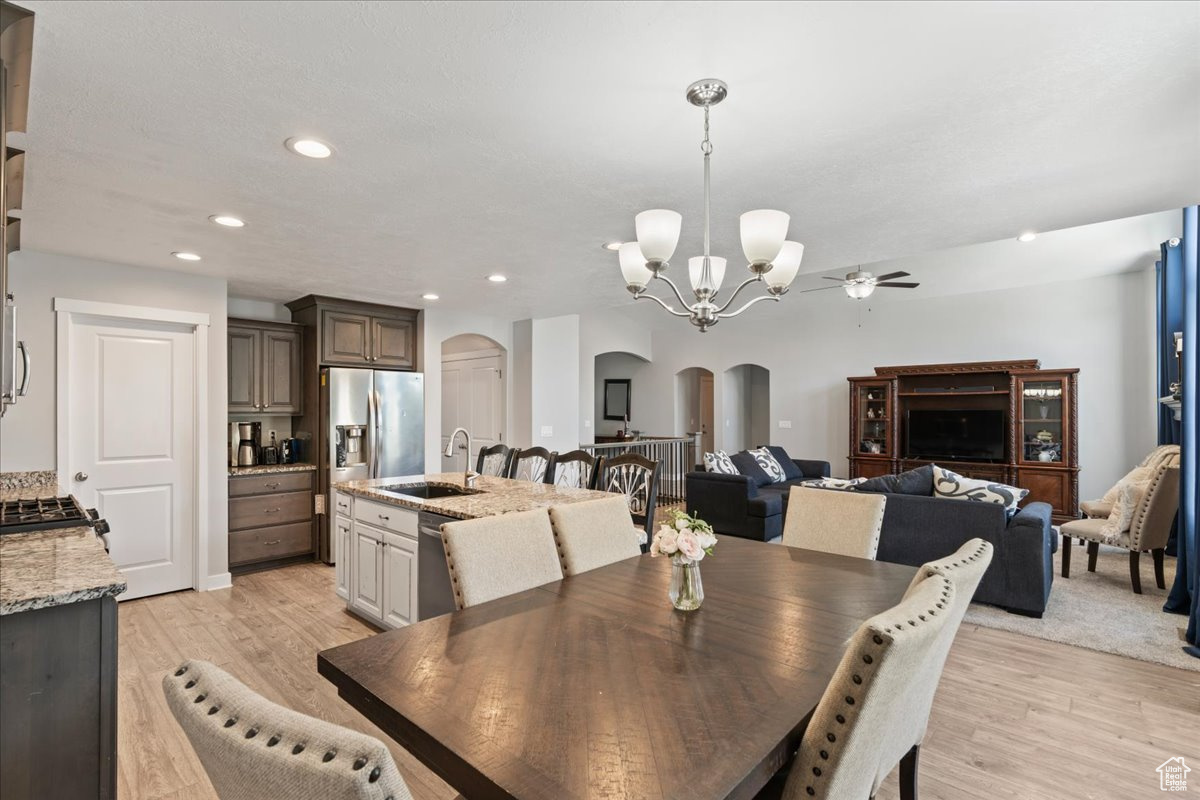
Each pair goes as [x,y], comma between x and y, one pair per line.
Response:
[790,471]
[952,486]
[1129,495]
[719,463]
[835,483]
[884,484]
[1134,475]
[746,465]
[917,481]
[766,460]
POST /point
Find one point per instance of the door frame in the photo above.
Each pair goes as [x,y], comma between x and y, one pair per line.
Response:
[66,311]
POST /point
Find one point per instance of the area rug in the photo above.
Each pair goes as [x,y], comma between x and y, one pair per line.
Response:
[1098,610]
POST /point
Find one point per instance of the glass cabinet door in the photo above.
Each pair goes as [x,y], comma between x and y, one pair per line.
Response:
[874,419]
[1043,404]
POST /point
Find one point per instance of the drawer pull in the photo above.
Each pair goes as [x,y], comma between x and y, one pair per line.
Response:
[272,510]
[273,541]
[271,485]
[384,517]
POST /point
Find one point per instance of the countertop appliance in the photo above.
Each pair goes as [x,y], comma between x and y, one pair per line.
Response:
[251,436]
[49,513]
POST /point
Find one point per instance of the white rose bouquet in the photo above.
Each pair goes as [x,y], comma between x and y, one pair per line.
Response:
[684,537]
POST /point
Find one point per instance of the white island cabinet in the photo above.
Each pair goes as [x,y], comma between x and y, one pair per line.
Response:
[375,558]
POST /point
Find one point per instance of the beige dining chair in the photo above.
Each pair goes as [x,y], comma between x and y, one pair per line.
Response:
[593,533]
[497,556]
[252,748]
[1100,509]
[875,711]
[834,521]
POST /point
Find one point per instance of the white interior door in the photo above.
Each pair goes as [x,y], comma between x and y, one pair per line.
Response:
[472,398]
[131,445]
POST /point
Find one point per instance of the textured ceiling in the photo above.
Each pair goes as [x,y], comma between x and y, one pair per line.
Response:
[480,137]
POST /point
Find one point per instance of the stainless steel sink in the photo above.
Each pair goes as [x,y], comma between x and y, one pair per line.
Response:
[427,491]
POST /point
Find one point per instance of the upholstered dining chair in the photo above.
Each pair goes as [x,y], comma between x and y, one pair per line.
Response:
[574,470]
[530,465]
[252,748]
[493,461]
[834,521]
[635,477]
[1100,509]
[593,533]
[874,714]
[1149,529]
[497,556]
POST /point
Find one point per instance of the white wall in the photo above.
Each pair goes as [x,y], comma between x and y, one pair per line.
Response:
[747,404]
[1104,326]
[617,366]
[27,432]
[554,388]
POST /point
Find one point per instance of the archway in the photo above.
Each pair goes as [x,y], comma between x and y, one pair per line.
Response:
[474,392]
[694,406]
[616,366]
[746,406]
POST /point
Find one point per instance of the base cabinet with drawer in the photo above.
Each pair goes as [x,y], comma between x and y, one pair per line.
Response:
[375,546]
[271,519]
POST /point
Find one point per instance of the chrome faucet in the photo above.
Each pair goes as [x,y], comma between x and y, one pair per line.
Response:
[469,475]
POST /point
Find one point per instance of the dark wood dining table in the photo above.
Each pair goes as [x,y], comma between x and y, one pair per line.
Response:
[595,687]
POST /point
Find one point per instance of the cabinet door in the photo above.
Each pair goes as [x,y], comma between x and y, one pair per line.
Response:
[399,580]
[1044,409]
[341,556]
[281,372]
[392,343]
[345,338]
[1051,486]
[367,572]
[245,347]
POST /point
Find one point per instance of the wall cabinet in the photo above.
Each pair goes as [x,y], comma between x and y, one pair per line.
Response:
[356,340]
[264,368]
[375,547]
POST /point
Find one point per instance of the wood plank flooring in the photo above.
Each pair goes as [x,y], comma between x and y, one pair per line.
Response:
[1015,717]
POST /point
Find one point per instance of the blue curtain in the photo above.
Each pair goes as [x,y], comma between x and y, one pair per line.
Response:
[1185,594]
[1170,321]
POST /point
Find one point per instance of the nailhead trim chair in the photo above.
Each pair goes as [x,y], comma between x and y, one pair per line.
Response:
[497,556]
[594,533]
[875,712]
[1149,530]
[832,521]
[1100,509]
[252,748]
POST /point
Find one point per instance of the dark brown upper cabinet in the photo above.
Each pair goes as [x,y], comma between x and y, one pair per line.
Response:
[264,367]
[352,334]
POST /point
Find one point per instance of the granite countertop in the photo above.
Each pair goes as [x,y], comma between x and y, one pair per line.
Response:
[28,485]
[54,568]
[492,495]
[271,469]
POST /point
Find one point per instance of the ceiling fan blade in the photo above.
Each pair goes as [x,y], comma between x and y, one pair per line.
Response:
[827,278]
[819,289]
[895,285]
[889,276]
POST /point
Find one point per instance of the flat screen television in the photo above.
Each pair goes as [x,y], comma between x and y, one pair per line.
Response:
[955,434]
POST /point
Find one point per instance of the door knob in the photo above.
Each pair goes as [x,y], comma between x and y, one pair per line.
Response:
[81,476]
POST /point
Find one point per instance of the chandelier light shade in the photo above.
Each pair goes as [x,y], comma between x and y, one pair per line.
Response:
[772,260]
[633,265]
[763,233]
[658,233]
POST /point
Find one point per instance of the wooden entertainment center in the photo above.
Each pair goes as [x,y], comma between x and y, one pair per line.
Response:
[1036,409]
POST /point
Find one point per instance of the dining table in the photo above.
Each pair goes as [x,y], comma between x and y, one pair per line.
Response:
[595,686]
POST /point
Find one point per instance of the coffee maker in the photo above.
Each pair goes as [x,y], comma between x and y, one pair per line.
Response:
[250,438]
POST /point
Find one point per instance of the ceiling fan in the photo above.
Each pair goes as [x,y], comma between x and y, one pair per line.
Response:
[860,284]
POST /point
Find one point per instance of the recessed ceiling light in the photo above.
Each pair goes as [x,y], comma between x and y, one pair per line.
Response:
[186,256]
[497,278]
[1028,236]
[312,148]
[614,245]
[429,296]
[227,221]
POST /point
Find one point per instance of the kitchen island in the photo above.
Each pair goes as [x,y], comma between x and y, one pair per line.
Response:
[387,544]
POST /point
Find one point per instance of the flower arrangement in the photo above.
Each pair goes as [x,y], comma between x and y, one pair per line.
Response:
[686,538]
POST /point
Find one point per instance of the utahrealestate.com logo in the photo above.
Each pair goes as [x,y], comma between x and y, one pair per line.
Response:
[1172,775]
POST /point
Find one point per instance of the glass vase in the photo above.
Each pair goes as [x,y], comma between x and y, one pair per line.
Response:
[686,591]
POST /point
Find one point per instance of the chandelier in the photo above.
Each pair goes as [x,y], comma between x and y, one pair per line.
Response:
[772,260]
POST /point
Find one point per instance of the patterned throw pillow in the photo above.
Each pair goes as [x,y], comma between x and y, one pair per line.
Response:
[952,486]
[719,463]
[834,483]
[1129,497]
[767,461]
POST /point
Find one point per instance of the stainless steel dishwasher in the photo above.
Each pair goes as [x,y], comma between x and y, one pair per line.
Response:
[434,594]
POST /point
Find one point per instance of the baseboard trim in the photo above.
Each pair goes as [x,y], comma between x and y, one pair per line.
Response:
[222,581]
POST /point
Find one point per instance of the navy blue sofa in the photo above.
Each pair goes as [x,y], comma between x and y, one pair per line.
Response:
[736,505]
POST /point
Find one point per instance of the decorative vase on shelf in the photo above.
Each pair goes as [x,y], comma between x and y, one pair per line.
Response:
[687,540]
[1043,410]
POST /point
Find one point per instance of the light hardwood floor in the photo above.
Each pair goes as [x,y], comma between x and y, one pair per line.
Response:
[1015,717]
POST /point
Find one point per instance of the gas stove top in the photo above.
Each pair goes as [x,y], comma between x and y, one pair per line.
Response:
[46,513]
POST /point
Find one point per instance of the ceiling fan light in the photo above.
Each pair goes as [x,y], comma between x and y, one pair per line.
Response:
[860,290]
[786,265]
[763,233]
[696,272]
[633,265]
[658,233]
